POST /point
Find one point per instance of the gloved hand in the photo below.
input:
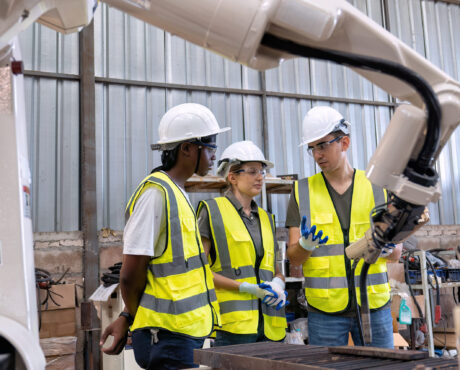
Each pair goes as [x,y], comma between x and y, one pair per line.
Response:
[387,250]
[254,289]
[309,241]
[277,285]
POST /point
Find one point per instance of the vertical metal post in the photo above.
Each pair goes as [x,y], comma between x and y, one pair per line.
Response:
[266,200]
[88,201]
[426,292]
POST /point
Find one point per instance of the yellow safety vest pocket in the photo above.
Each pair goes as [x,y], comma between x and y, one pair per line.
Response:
[230,317]
[188,223]
[316,293]
[322,218]
[378,289]
[359,229]
[181,288]
[278,321]
[240,236]
[317,266]
[269,257]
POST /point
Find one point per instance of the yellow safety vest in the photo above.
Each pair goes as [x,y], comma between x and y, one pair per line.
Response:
[236,259]
[179,295]
[326,283]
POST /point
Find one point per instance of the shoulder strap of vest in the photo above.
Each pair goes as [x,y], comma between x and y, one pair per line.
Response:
[216,224]
[136,194]
[271,218]
[303,197]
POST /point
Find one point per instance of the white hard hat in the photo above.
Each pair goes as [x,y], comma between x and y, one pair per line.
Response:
[186,122]
[321,121]
[240,152]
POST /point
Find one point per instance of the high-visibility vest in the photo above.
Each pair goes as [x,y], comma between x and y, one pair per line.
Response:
[236,259]
[326,283]
[179,295]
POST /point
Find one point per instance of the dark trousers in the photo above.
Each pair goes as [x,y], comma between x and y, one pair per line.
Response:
[172,351]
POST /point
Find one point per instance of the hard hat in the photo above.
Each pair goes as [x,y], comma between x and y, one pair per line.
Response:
[321,121]
[186,122]
[240,152]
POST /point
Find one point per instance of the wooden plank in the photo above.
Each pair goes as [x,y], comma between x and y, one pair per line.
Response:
[232,361]
[58,346]
[379,352]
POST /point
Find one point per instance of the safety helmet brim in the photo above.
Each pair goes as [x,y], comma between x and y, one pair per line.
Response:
[185,138]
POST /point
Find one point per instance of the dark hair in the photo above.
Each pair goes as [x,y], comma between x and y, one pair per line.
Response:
[339,133]
[168,159]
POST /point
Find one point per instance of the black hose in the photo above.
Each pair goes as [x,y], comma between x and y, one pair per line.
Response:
[406,274]
[365,311]
[358,312]
[425,158]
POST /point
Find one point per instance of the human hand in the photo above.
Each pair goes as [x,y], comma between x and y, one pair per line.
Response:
[387,250]
[254,289]
[119,330]
[277,285]
[310,239]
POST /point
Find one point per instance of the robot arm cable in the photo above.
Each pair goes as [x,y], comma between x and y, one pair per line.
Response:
[424,161]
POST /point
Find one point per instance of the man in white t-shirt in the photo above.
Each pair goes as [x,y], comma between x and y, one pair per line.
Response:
[160,253]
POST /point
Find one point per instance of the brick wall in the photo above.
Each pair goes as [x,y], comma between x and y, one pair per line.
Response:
[438,236]
[57,252]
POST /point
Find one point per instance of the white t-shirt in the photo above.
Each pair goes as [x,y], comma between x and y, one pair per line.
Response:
[145,231]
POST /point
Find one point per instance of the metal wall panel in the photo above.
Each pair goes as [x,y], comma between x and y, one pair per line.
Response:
[128,116]
[431,28]
[53,137]
[52,128]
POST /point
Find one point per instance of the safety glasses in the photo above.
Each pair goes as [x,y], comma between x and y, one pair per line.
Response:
[322,146]
[252,172]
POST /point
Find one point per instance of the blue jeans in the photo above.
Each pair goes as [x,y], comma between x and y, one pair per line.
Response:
[329,330]
[172,351]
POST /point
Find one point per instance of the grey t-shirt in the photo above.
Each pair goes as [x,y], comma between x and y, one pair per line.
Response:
[252,223]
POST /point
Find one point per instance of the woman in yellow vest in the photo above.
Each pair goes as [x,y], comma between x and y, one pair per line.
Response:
[239,238]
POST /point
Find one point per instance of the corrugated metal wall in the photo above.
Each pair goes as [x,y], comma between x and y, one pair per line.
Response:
[53,127]
[142,71]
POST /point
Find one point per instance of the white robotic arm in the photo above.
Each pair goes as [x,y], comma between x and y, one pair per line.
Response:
[260,34]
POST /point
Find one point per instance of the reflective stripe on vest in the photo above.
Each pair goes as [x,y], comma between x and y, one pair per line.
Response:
[325,271]
[235,259]
[179,295]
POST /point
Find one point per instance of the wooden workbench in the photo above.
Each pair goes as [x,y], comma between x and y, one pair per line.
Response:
[270,356]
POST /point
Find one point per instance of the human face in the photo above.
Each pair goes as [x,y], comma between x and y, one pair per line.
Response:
[207,157]
[329,151]
[248,179]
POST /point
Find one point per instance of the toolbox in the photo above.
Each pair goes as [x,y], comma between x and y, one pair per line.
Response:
[453,275]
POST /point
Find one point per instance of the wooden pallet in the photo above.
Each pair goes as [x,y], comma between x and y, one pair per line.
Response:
[270,355]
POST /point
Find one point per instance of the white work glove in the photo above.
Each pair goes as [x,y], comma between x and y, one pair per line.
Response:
[254,289]
[387,250]
[309,241]
[276,285]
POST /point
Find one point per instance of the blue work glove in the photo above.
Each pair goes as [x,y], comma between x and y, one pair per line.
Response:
[277,285]
[309,241]
[387,250]
[254,289]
